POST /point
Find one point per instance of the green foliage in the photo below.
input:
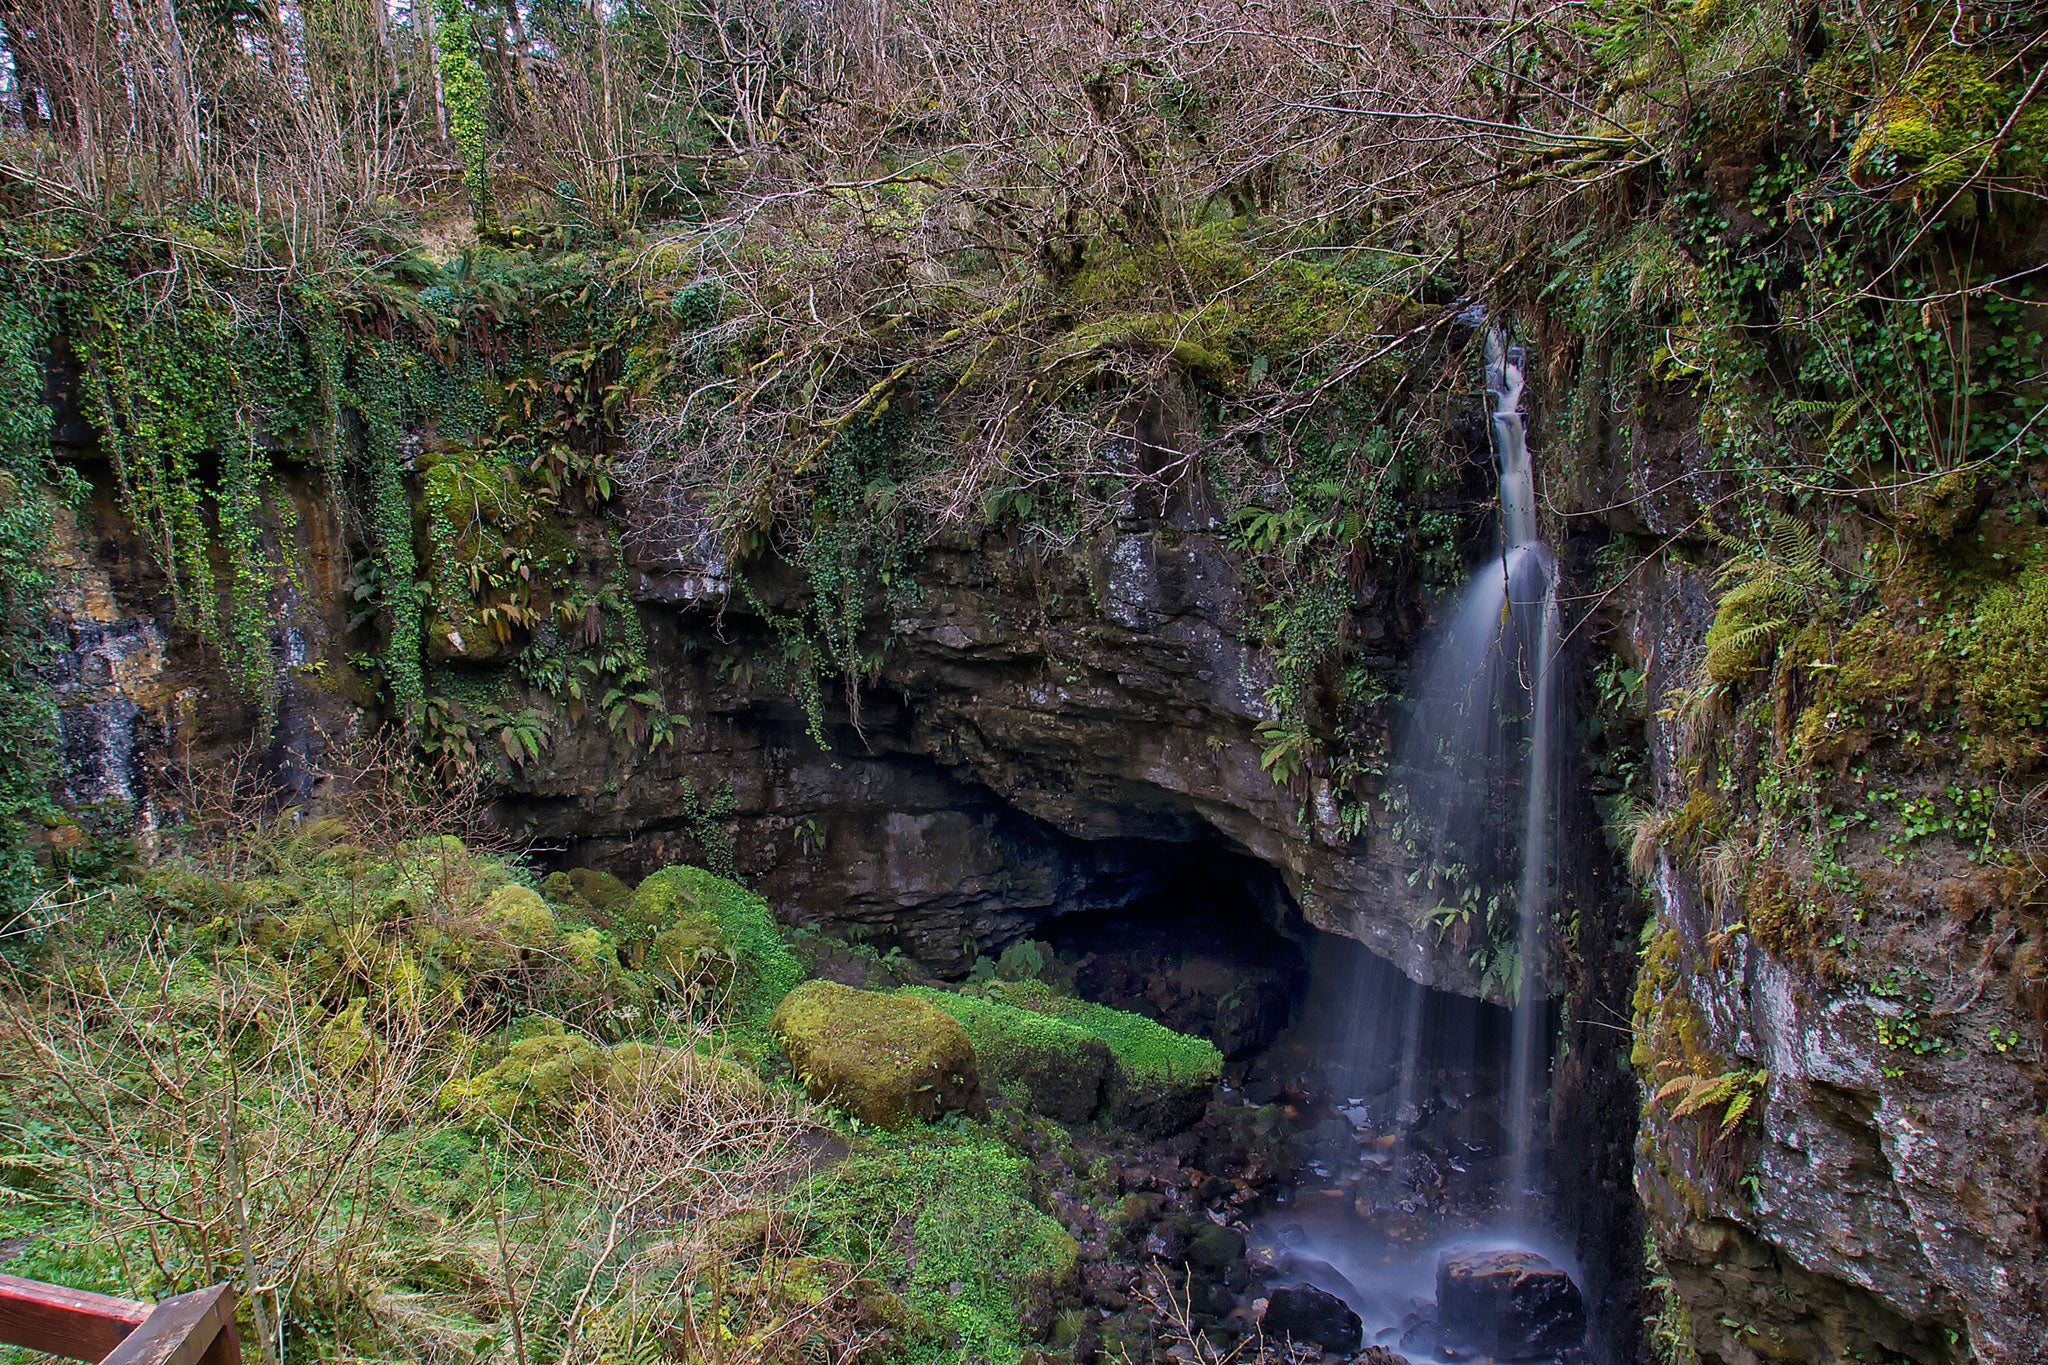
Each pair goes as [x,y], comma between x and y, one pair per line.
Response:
[305,1063]
[950,1216]
[467,93]
[1764,592]
[1732,1094]
[710,824]
[175,385]
[32,488]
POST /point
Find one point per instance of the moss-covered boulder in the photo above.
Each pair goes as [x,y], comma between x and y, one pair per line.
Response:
[1159,1081]
[696,909]
[693,957]
[599,895]
[885,1059]
[547,1074]
[1030,1059]
[545,1071]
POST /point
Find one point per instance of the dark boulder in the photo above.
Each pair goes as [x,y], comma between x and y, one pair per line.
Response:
[1509,1304]
[1312,1317]
[1214,1248]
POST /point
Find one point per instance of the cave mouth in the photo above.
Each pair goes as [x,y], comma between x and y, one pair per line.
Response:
[1209,943]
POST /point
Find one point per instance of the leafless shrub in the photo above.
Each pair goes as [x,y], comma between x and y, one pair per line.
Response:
[221,810]
[379,786]
[671,1181]
[212,1121]
[1187,1342]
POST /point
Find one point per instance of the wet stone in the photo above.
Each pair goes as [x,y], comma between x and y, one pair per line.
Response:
[1512,1305]
[1309,1315]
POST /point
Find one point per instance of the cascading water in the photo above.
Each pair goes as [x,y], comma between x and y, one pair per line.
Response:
[1479,752]
[1518,527]
[1440,1093]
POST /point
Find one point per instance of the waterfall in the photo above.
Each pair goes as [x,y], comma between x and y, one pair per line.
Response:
[1479,760]
[1532,898]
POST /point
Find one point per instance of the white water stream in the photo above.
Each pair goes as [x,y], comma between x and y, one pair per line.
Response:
[1479,757]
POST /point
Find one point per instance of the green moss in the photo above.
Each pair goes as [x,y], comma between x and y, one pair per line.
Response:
[521,918]
[600,894]
[545,1075]
[949,1217]
[1038,1062]
[889,1060]
[1147,1051]
[1951,645]
[1694,826]
[1935,134]
[2001,653]
[550,1072]
[1255,304]
[1159,1081]
[765,969]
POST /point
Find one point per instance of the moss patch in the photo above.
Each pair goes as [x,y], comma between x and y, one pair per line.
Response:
[982,1268]
[1159,1081]
[686,899]
[1033,1060]
[888,1060]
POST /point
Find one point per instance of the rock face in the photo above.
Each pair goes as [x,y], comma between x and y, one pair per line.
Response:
[1310,1316]
[1885,1191]
[888,1060]
[1512,1305]
[1041,728]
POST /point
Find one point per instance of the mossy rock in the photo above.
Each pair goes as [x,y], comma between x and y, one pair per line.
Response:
[325,832]
[886,1059]
[691,955]
[551,1072]
[512,928]
[686,898]
[589,983]
[547,1074]
[1032,1060]
[1160,1081]
[346,1039]
[523,919]
[599,894]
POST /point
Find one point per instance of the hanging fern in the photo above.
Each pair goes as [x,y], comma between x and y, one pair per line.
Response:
[1763,591]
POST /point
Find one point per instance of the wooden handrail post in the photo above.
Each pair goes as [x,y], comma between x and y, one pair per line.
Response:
[191,1329]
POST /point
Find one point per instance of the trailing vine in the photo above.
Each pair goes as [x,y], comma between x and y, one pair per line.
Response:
[32,487]
[467,92]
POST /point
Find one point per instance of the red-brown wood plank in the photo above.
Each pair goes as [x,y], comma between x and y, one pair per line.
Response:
[65,1322]
[185,1330]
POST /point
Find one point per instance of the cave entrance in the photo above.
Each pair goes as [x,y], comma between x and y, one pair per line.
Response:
[1210,943]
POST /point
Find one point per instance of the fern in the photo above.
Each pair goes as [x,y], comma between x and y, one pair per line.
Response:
[1763,591]
[1733,1092]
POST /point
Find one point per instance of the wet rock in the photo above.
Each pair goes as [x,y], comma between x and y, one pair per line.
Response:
[1309,1315]
[1509,1304]
[1215,1248]
[1165,1241]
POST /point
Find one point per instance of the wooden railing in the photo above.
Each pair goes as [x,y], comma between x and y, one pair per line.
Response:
[191,1329]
